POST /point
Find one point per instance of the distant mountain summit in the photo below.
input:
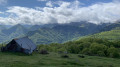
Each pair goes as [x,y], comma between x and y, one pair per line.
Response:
[15,29]
[12,32]
[36,27]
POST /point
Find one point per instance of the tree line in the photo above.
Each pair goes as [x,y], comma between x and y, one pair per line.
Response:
[87,46]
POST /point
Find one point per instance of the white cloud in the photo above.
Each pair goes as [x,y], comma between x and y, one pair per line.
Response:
[3,2]
[66,12]
[1,12]
[49,4]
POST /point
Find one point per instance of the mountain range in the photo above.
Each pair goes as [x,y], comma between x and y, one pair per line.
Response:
[55,33]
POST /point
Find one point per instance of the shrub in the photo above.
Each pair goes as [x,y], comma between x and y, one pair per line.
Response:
[98,49]
[113,52]
[73,49]
[43,51]
[86,51]
[65,56]
[84,45]
[82,56]
[101,53]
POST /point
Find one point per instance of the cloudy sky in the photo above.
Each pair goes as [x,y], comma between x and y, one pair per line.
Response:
[34,12]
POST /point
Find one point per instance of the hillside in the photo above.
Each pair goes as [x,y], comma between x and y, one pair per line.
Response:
[45,36]
[12,32]
[62,32]
[110,35]
[110,32]
[18,29]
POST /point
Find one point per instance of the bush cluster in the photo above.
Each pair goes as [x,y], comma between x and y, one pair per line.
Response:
[88,46]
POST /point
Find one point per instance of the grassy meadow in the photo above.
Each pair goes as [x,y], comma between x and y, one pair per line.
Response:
[8,59]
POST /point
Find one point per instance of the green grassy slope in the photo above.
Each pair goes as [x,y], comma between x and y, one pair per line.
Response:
[110,32]
[54,60]
[110,35]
